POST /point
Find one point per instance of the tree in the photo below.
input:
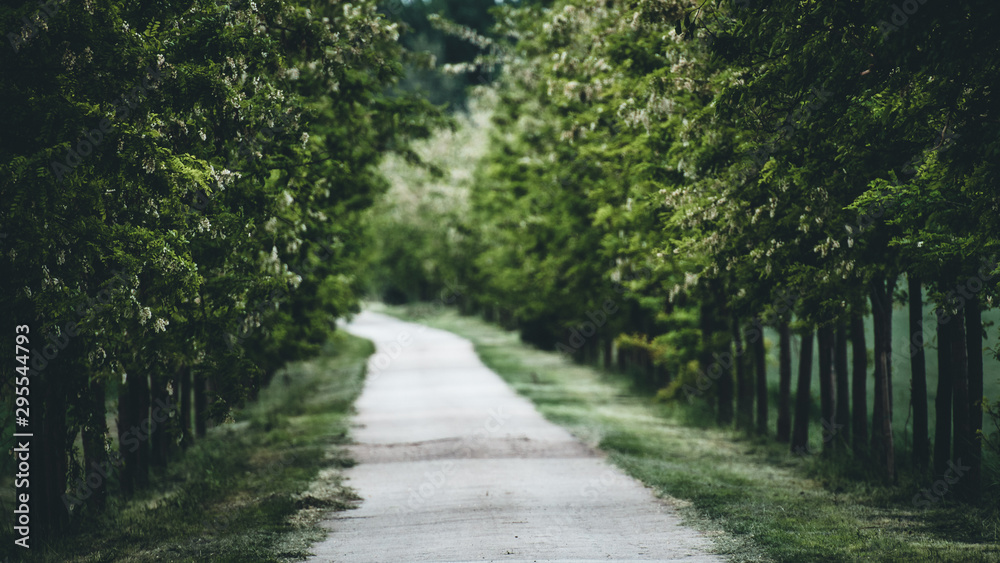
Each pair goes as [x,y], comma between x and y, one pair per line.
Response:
[859,388]
[166,166]
[784,432]
[918,380]
[882,444]
[803,396]
[842,421]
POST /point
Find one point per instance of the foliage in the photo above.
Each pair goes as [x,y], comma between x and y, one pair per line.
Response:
[200,169]
[732,165]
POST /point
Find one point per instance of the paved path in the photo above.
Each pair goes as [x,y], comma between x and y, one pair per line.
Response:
[454,466]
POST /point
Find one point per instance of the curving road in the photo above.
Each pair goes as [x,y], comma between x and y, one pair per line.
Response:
[454,466]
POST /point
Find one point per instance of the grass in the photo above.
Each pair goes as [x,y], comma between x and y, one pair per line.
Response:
[252,490]
[757,500]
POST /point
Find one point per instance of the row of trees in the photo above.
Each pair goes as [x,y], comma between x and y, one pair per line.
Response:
[182,183]
[736,168]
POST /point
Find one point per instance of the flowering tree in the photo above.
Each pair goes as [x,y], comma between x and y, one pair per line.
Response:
[182,189]
[779,164]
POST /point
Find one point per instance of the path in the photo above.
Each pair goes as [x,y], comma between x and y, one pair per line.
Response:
[454,466]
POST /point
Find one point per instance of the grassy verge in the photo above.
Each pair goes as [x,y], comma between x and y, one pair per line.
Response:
[760,501]
[253,490]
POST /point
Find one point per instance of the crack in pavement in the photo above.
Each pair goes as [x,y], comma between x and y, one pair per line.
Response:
[454,466]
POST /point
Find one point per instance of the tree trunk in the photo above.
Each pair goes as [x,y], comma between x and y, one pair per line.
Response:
[606,352]
[961,428]
[784,383]
[974,350]
[744,387]
[706,328]
[942,402]
[706,325]
[126,453]
[721,346]
[918,375]
[859,384]
[582,353]
[824,337]
[662,376]
[200,404]
[95,456]
[760,368]
[49,469]
[651,368]
[140,416]
[184,393]
[842,418]
[160,434]
[878,406]
[882,439]
[803,396]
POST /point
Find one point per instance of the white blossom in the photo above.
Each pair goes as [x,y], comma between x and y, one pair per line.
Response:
[271,225]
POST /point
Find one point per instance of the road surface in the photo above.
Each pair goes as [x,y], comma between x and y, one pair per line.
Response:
[454,466]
